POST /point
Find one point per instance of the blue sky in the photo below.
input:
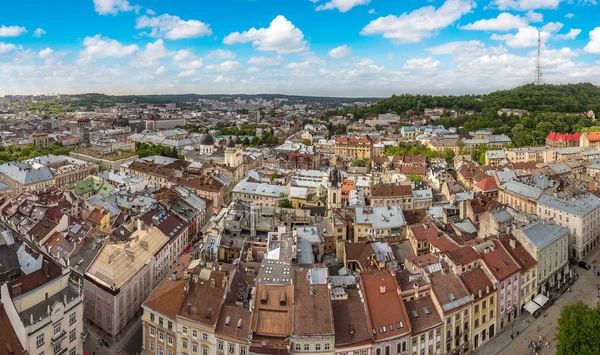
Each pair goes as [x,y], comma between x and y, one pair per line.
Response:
[307,47]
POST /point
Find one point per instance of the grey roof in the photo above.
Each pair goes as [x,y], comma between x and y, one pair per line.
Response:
[569,150]
[24,174]
[262,189]
[380,217]
[560,168]
[542,234]
[422,194]
[579,206]
[495,154]
[502,216]
[499,138]
[466,226]
[505,175]
[523,190]
[206,139]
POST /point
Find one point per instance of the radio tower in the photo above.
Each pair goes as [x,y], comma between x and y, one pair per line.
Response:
[538,66]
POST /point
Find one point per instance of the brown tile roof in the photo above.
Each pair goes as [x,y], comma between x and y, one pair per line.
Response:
[499,262]
[385,309]
[464,255]
[476,280]
[525,260]
[354,140]
[312,308]
[204,183]
[10,344]
[440,240]
[487,184]
[50,270]
[420,232]
[42,229]
[97,214]
[168,296]
[471,171]
[482,203]
[449,291]
[359,252]
[234,321]
[351,324]
[423,315]
[204,299]
[391,190]
[413,170]
[272,317]
[151,168]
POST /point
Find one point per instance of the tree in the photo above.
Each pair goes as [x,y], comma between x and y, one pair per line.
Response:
[246,141]
[415,178]
[306,142]
[578,329]
[255,141]
[365,163]
[285,203]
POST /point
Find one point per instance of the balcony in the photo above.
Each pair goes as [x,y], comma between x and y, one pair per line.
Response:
[58,338]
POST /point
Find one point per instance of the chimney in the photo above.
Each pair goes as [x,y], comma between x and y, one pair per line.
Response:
[513,243]
[382,287]
[479,293]
[16,290]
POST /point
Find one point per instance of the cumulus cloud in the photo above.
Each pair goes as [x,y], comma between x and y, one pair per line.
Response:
[221,54]
[528,36]
[98,47]
[160,70]
[569,15]
[173,27]
[152,54]
[226,66]
[572,34]
[421,64]
[419,24]
[340,52]
[341,5]
[594,44]
[503,22]
[523,5]
[281,36]
[12,31]
[186,59]
[45,53]
[307,64]
[39,32]
[266,61]
[187,73]
[252,70]
[6,47]
[112,7]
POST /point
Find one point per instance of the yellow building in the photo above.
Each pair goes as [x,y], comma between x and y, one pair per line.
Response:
[356,148]
[484,295]
[519,196]
[99,217]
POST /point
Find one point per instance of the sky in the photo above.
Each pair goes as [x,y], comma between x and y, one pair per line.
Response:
[355,48]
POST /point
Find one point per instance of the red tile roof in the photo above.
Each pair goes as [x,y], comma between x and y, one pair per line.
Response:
[476,280]
[391,190]
[499,262]
[487,184]
[565,137]
[464,255]
[10,344]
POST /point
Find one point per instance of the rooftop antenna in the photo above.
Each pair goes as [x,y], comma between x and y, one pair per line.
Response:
[538,67]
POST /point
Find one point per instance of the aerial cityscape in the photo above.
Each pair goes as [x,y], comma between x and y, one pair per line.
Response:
[300,177]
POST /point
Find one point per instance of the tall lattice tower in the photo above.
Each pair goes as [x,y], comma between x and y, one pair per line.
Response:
[538,65]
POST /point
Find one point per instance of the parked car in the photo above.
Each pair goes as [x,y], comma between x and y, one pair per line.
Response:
[584,265]
[573,261]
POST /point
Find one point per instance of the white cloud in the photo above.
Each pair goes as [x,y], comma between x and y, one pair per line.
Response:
[221,54]
[45,53]
[281,36]
[12,31]
[535,16]
[160,70]
[552,27]
[389,57]
[97,47]
[307,64]
[523,5]
[39,32]
[527,36]
[572,34]
[222,79]
[226,66]
[150,12]
[253,70]
[7,47]
[504,22]
[594,45]
[342,5]
[152,54]
[187,73]
[112,7]
[173,27]
[266,61]
[569,15]
[340,52]
[186,59]
[421,64]
[419,24]
[372,12]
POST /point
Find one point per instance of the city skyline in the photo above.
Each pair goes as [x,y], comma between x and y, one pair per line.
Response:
[351,48]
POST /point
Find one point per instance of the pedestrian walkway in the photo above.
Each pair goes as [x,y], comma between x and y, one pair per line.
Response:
[501,340]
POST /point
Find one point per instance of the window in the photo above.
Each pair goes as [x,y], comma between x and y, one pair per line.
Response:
[170,340]
[161,351]
[327,347]
[170,325]
[297,346]
[476,308]
[39,340]
[195,348]
[492,313]
[363,352]
[398,348]
[184,330]
[151,347]
[387,350]
[169,352]
[204,337]
[152,317]
[73,351]
[242,350]
[220,345]
[204,350]
[483,305]
[72,335]
[306,347]
[483,319]
[231,348]
[492,300]
[194,334]
[56,329]
[161,336]
[477,323]
[184,344]
[152,331]
[72,318]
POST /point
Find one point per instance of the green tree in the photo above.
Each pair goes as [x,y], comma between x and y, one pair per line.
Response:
[365,163]
[285,203]
[578,329]
[246,141]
